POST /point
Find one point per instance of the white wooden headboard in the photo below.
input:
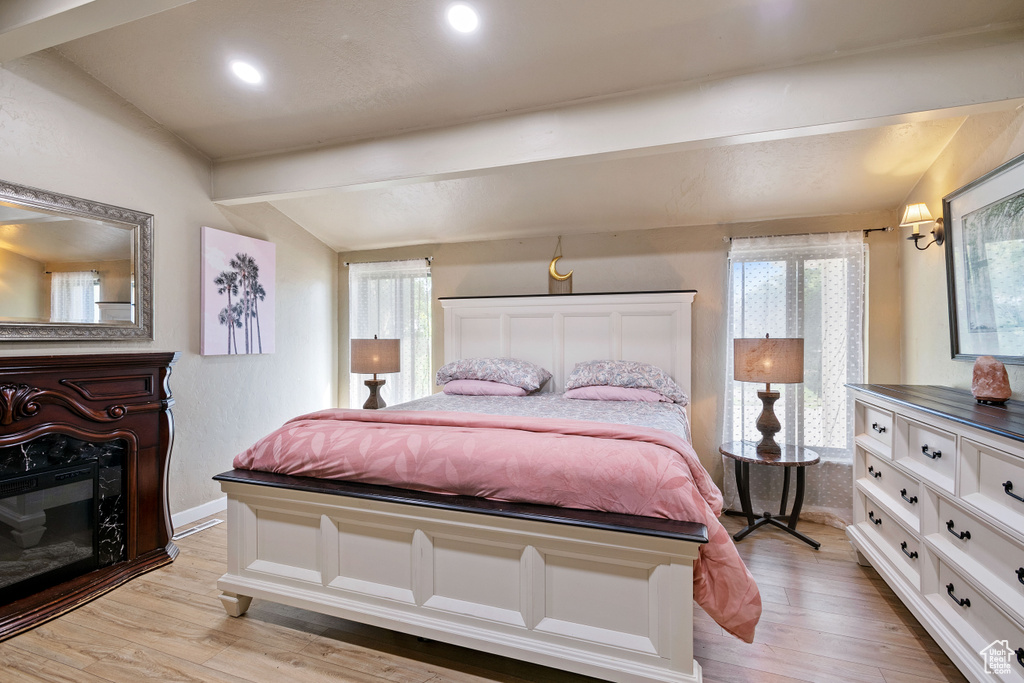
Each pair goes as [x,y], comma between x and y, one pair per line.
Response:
[558,331]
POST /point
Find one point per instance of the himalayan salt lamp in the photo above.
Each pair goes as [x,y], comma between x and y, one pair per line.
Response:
[990,383]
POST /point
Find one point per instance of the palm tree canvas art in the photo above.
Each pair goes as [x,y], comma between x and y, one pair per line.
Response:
[237,294]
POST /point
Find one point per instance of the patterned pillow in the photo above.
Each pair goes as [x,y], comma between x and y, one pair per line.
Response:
[626,373]
[480,387]
[518,373]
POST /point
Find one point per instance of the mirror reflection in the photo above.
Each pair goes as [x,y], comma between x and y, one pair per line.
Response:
[64,269]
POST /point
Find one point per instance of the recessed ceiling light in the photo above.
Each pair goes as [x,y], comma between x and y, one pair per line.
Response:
[463,18]
[245,71]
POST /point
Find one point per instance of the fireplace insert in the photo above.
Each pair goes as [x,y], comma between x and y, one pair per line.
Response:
[49,528]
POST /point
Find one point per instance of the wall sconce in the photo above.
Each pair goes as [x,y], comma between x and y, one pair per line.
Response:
[914,216]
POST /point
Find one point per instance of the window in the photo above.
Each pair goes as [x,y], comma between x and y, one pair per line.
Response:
[73,297]
[809,286]
[392,300]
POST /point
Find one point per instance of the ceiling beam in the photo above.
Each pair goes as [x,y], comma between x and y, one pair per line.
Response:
[28,26]
[910,83]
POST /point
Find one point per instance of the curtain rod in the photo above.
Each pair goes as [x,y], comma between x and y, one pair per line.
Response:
[726,238]
[50,272]
[428,259]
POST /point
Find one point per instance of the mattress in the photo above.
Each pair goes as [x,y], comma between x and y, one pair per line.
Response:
[669,417]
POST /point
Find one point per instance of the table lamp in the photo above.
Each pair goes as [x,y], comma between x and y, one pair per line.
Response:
[768,360]
[375,356]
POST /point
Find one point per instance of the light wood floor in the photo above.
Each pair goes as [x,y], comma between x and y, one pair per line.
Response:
[825,619]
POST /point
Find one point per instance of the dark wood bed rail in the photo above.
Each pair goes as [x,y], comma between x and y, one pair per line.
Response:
[593,519]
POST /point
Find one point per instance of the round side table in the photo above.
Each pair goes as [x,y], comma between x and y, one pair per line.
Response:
[744,453]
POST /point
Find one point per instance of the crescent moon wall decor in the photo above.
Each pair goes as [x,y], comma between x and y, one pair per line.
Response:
[558,283]
[554,271]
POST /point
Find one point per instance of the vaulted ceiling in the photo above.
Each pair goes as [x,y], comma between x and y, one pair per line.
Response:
[376,124]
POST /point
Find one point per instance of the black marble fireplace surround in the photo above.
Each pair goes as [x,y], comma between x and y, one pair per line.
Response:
[84,447]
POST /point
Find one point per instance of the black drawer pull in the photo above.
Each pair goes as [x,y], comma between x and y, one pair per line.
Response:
[911,555]
[961,535]
[934,455]
[876,520]
[880,430]
[963,602]
[1020,655]
[911,499]
[877,474]
[1020,574]
[1008,487]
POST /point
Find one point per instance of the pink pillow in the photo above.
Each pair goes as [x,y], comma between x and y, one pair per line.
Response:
[480,387]
[608,393]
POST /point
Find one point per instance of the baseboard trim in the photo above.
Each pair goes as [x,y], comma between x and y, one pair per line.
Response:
[184,517]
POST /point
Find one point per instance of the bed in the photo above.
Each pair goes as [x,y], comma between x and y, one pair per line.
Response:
[600,593]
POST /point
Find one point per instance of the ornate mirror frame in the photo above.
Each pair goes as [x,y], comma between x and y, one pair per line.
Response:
[141,225]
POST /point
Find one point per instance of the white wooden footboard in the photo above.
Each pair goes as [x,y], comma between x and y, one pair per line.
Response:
[606,602]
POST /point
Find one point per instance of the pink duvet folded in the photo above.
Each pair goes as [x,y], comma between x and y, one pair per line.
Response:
[576,464]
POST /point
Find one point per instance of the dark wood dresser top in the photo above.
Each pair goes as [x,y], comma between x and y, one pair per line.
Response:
[957,405]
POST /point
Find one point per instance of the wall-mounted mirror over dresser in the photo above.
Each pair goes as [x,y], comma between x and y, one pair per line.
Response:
[85,442]
[73,268]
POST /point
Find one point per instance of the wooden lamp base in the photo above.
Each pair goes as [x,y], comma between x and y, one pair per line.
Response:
[768,424]
[375,401]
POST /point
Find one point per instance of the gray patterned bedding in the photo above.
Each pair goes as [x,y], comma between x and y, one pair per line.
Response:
[669,417]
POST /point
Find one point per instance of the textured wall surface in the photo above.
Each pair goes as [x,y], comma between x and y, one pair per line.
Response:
[667,258]
[982,144]
[62,131]
[21,286]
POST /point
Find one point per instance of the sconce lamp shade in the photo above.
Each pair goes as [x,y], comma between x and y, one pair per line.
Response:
[376,356]
[915,215]
[768,360]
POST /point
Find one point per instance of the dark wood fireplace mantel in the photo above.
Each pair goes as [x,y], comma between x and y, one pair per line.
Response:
[95,399]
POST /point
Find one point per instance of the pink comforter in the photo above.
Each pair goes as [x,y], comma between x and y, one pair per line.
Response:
[576,464]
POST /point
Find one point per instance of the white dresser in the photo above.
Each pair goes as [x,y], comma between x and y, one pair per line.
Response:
[938,500]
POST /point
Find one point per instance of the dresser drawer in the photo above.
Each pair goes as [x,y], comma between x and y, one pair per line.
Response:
[977,621]
[877,425]
[993,481]
[929,452]
[900,544]
[901,489]
[980,544]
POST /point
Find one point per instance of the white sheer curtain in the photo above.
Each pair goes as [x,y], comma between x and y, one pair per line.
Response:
[73,297]
[391,299]
[809,286]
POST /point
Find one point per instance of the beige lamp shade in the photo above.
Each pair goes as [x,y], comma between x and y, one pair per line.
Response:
[915,215]
[768,360]
[376,356]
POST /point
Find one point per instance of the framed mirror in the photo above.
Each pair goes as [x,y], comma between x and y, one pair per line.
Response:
[73,269]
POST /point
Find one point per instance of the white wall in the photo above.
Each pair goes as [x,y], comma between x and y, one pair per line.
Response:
[666,258]
[62,131]
[982,144]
